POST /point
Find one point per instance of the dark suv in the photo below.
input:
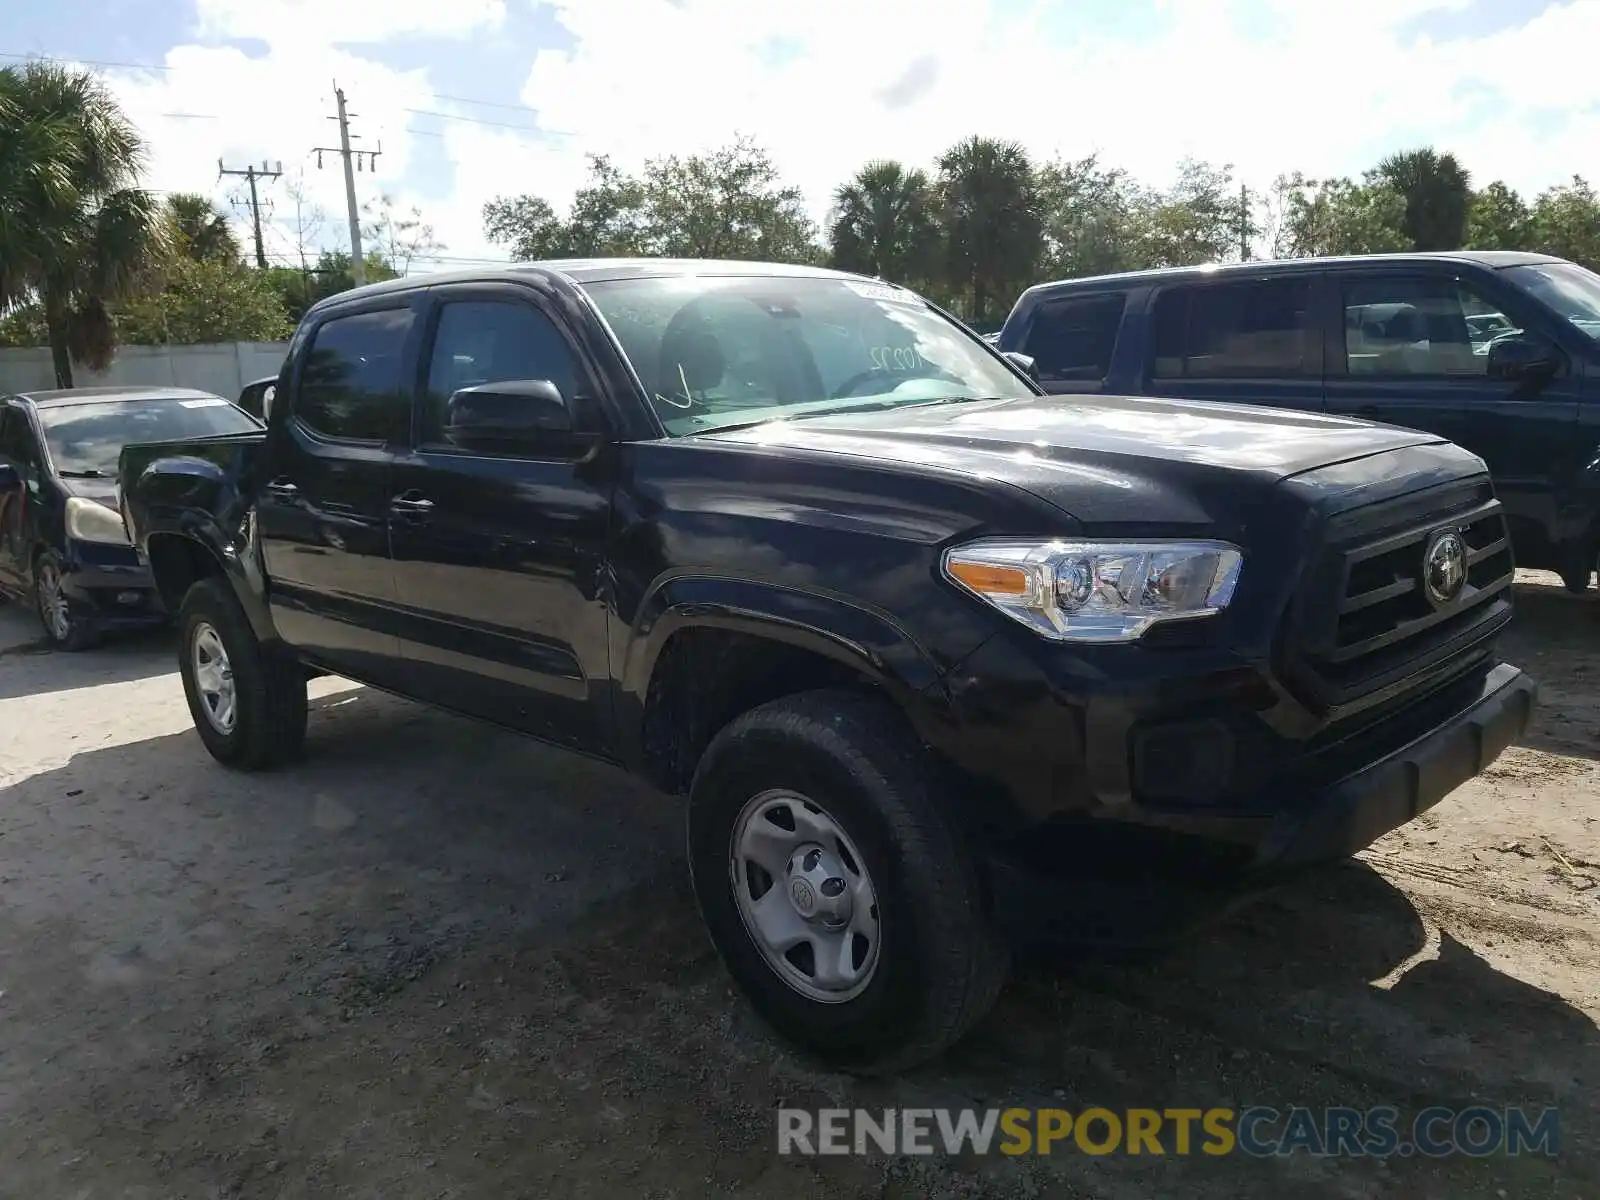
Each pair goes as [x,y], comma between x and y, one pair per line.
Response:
[937,659]
[1498,352]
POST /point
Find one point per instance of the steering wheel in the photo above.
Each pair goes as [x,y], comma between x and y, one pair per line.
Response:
[850,386]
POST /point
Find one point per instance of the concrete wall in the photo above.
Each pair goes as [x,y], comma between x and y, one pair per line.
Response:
[222,369]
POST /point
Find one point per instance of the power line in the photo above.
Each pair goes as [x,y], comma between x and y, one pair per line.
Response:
[85,62]
[486,103]
[428,112]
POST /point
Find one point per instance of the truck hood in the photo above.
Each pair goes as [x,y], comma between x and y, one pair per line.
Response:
[1102,459]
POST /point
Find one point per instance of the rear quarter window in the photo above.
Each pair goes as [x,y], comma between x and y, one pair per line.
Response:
[1073,338]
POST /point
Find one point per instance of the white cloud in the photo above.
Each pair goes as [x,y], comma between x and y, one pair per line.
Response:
[302,21]
[1269,85]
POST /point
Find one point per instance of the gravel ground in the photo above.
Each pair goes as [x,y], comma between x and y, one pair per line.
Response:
[439,961]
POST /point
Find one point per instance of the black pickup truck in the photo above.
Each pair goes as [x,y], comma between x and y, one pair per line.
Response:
[930,653]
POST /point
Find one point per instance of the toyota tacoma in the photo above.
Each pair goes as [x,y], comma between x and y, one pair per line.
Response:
[930,654]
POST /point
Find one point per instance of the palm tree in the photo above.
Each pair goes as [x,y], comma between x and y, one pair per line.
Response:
[884,223]
[201,232]
[990,204]
[1438,194]
[75,233]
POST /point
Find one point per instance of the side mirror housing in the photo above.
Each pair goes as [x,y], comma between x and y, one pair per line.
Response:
[256,398]
[1523,358]
[9,477]
[1023,363]
[515,413]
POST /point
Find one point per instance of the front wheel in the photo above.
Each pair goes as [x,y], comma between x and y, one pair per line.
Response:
[248,700]
[66,627]
[836,886]
[1579,568]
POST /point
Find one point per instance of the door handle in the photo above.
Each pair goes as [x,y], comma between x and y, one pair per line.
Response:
[409,504]
[282,489]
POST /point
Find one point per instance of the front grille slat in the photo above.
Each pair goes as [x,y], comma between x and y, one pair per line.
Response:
[1364,619]
[1420,625]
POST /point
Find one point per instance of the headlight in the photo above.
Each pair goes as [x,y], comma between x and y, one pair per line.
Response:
[90,521]
[1097,591]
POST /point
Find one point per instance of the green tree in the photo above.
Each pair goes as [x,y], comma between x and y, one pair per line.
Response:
[1338,216]
[1203,219]
[298,288]
[729,203]
[990,207]
[884,223]
[1437,191]
[75,233]
[204,300]
[399,236]
[1499,219]
[527,226]
[1566,223]
[1092,219]
[200,231]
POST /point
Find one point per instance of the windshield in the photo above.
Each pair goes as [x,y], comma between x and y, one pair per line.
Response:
[719,352]
[1571,290]
[86,439]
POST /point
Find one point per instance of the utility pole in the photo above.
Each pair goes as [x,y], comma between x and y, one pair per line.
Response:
[352,164]
[1244,223]
[253,173]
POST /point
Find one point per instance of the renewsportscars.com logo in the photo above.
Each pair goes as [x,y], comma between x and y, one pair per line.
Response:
[1258,1130]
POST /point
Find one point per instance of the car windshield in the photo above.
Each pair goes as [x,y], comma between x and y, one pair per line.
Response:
[86,439]
[1571,290]
[716,352]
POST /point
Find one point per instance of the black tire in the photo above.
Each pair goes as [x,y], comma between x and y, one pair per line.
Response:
[269,722]
[1580,566]
[80,632]
[941,962]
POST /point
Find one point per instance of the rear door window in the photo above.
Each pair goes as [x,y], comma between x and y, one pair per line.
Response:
[1261,329]
[352,387]
[1073,338]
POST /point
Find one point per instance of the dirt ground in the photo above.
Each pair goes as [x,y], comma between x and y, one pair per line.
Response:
[439,961]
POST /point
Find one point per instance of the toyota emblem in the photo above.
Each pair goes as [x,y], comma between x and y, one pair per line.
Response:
[1444,567]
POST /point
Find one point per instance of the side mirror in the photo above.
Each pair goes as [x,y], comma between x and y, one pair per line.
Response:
[518,412]
[256,398]
[1023,363]
[1523,358]
[9,477]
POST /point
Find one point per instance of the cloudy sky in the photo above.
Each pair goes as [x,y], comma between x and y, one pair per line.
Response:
[473,98]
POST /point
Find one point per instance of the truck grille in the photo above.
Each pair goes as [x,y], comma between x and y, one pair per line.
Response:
[1365,621]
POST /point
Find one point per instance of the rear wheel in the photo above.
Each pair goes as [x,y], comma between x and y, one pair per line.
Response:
[248,699]
[66,627]
[836,885]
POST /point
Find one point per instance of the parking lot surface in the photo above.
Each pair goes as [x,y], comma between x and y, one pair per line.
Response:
[435,960]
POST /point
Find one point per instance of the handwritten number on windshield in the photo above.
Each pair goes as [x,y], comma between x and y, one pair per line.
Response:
[897,358]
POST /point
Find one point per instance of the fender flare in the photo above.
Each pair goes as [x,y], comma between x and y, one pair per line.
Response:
[871,642]
[200,518]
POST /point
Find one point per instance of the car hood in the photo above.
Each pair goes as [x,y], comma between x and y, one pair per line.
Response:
[103,490]
[1102,459]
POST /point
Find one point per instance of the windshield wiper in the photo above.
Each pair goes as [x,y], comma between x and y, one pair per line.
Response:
[885,405]
[85,473]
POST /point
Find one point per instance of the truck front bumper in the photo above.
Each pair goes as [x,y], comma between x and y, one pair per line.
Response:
[1105,813]
[1355,811]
